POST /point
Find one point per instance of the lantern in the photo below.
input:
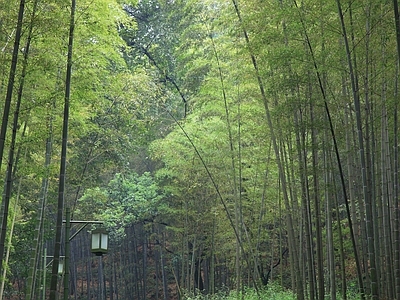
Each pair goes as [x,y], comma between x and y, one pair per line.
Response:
[99,241]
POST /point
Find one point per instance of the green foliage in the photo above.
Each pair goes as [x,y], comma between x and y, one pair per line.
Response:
[128,199]
[136,62]
[274,292]
[91,203]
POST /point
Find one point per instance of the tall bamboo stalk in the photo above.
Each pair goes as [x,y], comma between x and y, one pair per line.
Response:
[282,176]
[366,194]
[63,161]
[339,163]
[396,160]
[11,79]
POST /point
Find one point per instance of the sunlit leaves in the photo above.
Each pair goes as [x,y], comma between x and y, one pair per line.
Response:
[127,199]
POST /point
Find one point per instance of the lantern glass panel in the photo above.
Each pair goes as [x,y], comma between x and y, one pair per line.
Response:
[96,241]
[61,266]
[104,241]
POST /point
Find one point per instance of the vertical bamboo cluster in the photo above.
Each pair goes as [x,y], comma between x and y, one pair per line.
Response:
[270,129]
[367,105]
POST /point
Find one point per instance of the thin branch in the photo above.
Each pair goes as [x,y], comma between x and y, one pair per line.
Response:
[218,193]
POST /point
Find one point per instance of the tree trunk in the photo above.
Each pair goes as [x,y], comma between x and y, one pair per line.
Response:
[324,96]
[366,193]
[329,230]
[144,272]
[39,227]
[9,246]
[63,161]
[396,160]
[396,239]
[10,87]
[302,157]
[282,176]
[36,253]
[163,267]
[317,212]
[3,130]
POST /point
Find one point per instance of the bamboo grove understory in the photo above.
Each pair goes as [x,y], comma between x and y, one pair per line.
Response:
[227,146]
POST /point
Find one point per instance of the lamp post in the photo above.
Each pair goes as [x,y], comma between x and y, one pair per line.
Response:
[67,250]
[99,244]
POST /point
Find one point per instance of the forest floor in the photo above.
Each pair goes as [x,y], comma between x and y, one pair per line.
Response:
[274,292]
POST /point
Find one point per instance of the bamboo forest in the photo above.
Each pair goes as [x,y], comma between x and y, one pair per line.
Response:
[199,149]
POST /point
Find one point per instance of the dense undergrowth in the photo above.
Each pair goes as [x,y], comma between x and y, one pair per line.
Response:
[274,292]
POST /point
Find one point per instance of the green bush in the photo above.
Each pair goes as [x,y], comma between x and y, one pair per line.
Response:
[273,292]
